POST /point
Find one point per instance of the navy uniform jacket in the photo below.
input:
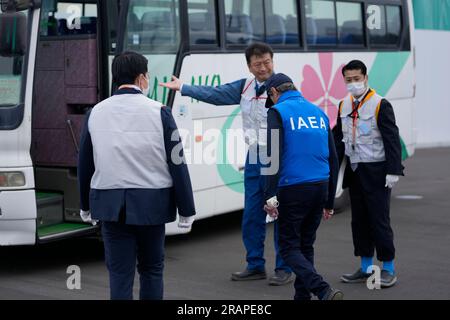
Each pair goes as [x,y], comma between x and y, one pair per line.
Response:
[140,206]
[374,174]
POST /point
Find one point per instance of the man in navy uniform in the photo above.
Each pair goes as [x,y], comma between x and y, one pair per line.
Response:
[303,189]
[368,138]
[250,93]
[129,182]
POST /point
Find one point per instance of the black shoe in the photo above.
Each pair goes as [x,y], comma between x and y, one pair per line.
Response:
[248,275]
[357,277]
[387,279]
[281,278]
[333,294]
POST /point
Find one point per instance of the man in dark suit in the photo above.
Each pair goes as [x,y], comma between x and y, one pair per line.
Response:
[130,181]
[368,138]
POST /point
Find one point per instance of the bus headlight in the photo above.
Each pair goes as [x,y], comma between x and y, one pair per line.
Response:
[12,179]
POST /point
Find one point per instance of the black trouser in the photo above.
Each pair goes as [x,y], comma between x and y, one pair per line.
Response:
[124,244]
[300,210]
[371,224]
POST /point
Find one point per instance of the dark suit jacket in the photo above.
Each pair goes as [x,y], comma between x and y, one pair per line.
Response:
[140,206]
[374,174]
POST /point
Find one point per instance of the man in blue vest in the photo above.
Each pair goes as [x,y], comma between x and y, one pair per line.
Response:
[303,189]
[250,93]
[368,138]
[130,182]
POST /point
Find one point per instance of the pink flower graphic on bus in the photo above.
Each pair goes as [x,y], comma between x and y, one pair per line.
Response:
[323,91]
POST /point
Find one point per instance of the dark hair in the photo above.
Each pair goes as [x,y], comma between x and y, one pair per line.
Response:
[127,66]
[257,49]
[355,65]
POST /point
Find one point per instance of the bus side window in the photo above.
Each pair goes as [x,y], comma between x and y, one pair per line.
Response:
[202,22]
[152,26]
[244,20]
[378,32]
[62,27]
[394,24]
[326,31]
[276,30]
[320,22]
[202,29]
[134,29]
[350,23]
[158,29]
[281,22]
[239,29]
[292,36]
[68,18]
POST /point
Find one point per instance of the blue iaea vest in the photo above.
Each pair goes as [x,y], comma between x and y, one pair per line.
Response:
[305,153]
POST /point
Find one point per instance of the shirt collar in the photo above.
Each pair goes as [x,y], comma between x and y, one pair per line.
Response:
[130,90]
[259,87]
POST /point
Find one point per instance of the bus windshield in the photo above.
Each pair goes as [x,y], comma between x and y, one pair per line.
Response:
[153,29]
[10,80]
[11,72]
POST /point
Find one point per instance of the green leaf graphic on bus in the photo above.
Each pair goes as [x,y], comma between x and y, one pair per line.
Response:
[159,93]
[208,80]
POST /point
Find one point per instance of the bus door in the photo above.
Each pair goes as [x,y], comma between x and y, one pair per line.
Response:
[68,82]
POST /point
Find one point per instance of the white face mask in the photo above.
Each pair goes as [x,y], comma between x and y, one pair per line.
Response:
[146,92]
[356,89]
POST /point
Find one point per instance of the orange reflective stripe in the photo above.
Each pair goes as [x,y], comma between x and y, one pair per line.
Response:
[378,110]
[340,107]
[368,96]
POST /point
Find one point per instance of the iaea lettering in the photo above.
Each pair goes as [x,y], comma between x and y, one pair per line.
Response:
[311,123]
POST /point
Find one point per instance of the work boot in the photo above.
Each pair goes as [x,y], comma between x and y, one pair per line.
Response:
[333,294]
[387,279]
[357,277]
[281,277]
[248,275]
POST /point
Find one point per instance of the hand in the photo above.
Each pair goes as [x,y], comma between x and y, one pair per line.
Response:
[391,181]
[273,202]
[86,217]
[175,84]
[271,211]
[185,222]
[328,214]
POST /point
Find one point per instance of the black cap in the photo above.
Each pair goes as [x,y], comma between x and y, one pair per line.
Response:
[276,80]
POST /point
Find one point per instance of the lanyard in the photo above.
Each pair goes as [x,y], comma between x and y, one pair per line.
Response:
[253,98]
[355,114]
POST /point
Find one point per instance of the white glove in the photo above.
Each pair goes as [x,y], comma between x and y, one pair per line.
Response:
[185,222]
[86,217]
[270,219]
[271,208]
[391,181]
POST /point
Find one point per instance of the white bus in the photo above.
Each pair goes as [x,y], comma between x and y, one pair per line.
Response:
[55,60]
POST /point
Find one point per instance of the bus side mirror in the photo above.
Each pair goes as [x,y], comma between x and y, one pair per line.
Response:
[13,34]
